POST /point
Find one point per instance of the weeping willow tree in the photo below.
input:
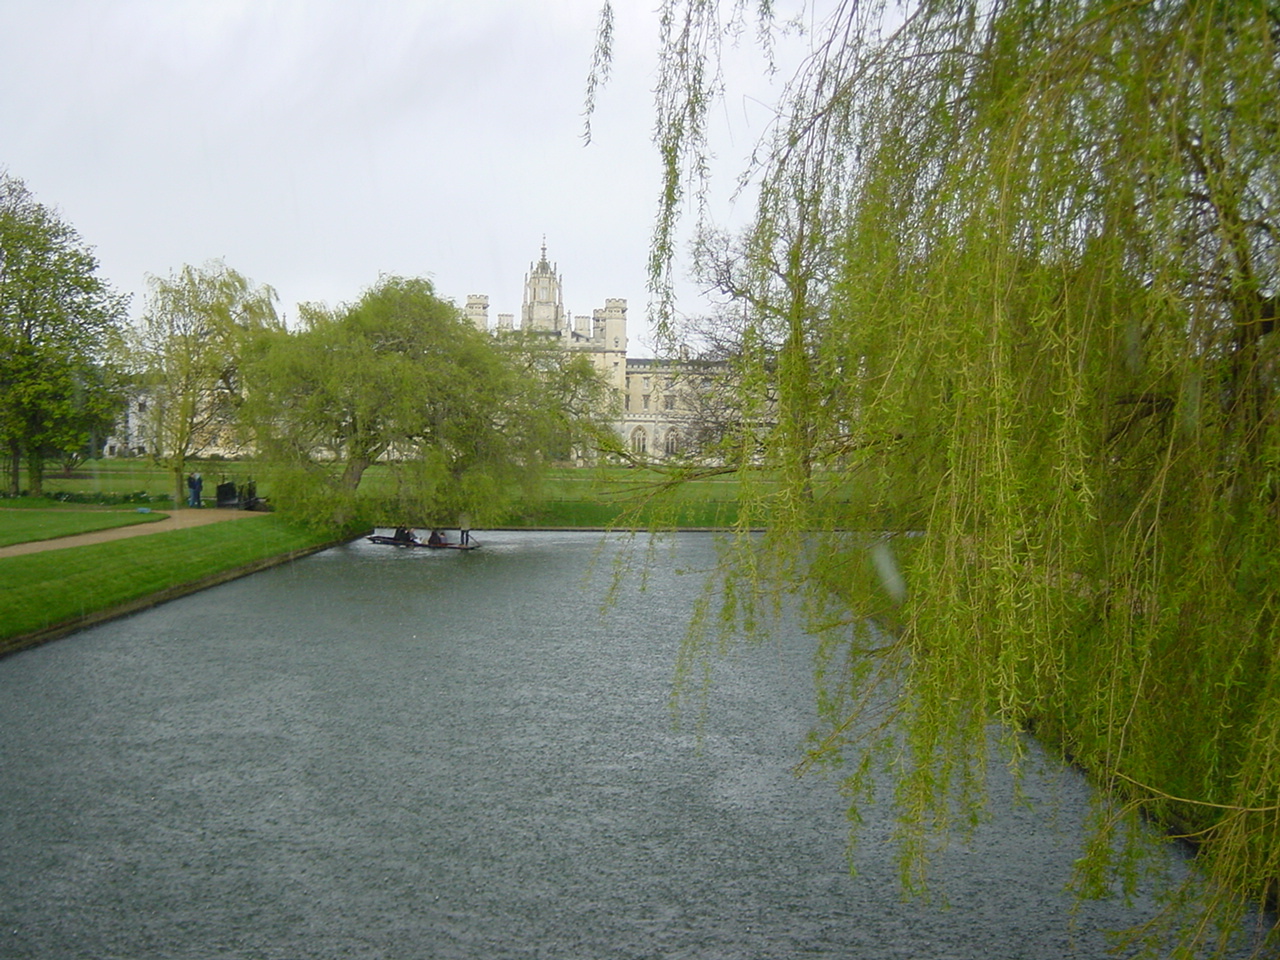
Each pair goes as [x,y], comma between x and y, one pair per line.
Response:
[1013,281]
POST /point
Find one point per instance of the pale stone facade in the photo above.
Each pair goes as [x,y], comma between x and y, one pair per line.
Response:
[602,336]
[651,409]
[657,402]
[215,437]
[661,405]
[677,408]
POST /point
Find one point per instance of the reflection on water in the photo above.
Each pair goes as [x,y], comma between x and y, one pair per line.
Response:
[378,752]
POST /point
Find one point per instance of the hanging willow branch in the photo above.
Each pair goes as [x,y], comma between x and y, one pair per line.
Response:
[1036,242]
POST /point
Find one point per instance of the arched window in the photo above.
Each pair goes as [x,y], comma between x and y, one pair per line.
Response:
[672,445]
[639,440]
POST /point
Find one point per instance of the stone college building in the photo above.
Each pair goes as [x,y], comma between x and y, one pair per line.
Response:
[655,419]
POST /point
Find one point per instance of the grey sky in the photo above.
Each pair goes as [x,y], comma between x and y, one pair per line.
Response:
[313,144]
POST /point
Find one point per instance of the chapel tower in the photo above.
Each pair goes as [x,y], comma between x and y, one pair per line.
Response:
[543,306]
[477,311]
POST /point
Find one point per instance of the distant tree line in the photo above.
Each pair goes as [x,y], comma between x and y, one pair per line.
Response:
[463,421]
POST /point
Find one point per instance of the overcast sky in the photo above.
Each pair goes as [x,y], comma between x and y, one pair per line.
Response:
[314,144]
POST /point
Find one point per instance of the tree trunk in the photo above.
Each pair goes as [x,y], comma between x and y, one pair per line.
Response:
[355,469]
[35,474]
[15,468]
[180,492]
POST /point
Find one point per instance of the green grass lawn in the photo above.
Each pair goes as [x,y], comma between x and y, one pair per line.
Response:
[643,498]
[587,497]
[22,521]
[42,590]
[568,497]
[139,475]
[621,496]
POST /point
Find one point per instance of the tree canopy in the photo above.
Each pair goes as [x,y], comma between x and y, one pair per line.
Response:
[1013,282]
[401,377]
[59,327]
[188,349]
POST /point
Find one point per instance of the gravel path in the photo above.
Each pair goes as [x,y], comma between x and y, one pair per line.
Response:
[178,520]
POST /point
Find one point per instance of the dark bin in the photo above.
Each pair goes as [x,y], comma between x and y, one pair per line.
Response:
[227,495]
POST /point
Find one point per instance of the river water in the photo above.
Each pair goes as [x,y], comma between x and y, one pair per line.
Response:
[386,753]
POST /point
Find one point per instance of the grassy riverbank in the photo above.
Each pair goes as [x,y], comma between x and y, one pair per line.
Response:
[48,594]
[43,595]
[594,497]
[22,521]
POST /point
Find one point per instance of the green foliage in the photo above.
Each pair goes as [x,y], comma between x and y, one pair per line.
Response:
[104,498]
[1014,274]
[187,354]
[623,499]
[59,327]
[111,480]
[462,423]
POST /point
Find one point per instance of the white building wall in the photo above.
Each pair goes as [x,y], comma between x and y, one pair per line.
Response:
[646,390]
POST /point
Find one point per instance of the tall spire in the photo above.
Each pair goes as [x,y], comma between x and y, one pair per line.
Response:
[543,307]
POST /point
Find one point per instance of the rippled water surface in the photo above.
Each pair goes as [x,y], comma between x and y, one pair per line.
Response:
[377,752]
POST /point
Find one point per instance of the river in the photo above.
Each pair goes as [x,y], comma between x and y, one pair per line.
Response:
[387,753]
